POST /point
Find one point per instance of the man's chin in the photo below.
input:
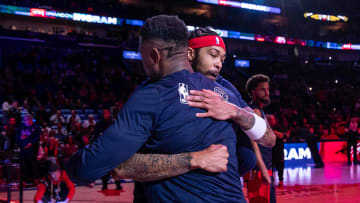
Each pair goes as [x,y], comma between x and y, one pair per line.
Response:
[266,101]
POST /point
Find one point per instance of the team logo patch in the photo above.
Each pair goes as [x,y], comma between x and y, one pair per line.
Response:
[217,40]
[183,90]
[222,93]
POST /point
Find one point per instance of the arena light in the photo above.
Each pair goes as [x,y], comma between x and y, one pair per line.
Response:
[355,46]
[242,63]
[131,55]
[37,12]
[324,17]
[331,45]
[290,42]
[134,22]
[22,13]
[346,46]
[260,39]
[247,36]
[249,6]
[222,33]
[280,40]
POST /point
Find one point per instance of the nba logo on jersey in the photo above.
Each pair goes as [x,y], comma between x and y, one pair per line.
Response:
[183,92]
[222,93]
[217,40]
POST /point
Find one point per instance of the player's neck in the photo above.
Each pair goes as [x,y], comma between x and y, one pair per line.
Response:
[259,104]
[177,65]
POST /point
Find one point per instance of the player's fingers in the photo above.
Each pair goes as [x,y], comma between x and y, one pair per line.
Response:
[201,105]
[210,92]
[202,115]
[215,147]
[196,98]
[197,93]
[224,151]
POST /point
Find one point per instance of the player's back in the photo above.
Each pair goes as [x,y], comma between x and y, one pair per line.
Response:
[178,130]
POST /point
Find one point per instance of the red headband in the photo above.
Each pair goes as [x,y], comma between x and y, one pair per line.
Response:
[205,41]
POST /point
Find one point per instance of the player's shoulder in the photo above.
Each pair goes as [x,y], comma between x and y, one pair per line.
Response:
[184,77]
[225,83]
[146,90]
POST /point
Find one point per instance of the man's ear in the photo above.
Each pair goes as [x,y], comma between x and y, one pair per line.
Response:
[251,93]
[191,54]
[155,56]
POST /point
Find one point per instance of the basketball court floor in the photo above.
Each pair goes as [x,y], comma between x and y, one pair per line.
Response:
[336,182]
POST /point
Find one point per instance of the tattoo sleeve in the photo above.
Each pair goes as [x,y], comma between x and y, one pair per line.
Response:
[153,167]
[269,138]
[246,120]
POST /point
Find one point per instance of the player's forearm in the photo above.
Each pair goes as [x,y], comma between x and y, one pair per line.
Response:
[259,160]
[243,118]
[246,120]
[269,138]
[153,167]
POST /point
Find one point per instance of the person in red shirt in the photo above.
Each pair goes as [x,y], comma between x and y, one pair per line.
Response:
[56,187]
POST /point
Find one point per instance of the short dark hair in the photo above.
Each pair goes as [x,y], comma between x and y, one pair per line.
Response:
[254,80]
[52,166]
[201,32]
[166,28]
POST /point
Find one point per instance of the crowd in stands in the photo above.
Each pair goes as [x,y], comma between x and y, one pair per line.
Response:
[66,91]
[320,98]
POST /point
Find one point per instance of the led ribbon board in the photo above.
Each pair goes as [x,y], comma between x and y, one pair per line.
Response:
[95,19]
[83,17]
[249,6]
[44,13]
[324,17]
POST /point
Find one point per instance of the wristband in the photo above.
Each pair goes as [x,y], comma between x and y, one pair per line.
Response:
[258,129]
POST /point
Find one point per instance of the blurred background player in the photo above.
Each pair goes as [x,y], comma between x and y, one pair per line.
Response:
[260,182]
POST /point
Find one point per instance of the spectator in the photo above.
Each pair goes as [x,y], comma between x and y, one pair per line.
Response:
[60,131]
[73,119]
[352,135]
[15,112]
[88,126]
[57,118]
[278,150]
[56,186]
[51,147]
[42,117]
[7,140]
[10,130]
[28,138]
[5,109]
[104,123]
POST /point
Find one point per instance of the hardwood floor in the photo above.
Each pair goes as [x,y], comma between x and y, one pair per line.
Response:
[336,182]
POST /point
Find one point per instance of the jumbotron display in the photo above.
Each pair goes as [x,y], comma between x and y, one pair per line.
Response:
[89,18]
[324,17]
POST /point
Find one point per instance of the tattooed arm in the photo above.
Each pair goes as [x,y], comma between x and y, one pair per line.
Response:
[220,109]
[153,167]
[246,121]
